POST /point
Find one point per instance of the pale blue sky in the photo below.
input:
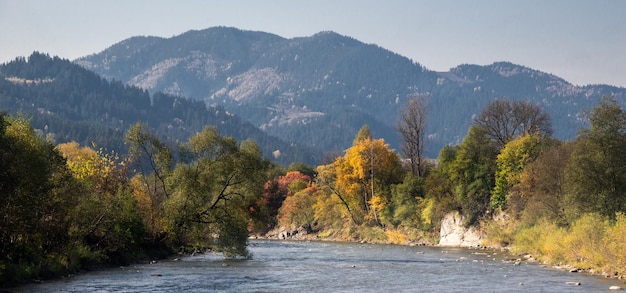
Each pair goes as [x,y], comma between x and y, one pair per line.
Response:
[581,41]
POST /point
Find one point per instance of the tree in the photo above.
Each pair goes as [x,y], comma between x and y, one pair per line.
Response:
[362,177]
[513,158]
[38,193]
[412,127]
[151,156]
[471,173]
[504,120]
[596,172]
[297,210]
[275,191]
[542,185]
[363,134]
[402,208]
[106,218]
[212,191]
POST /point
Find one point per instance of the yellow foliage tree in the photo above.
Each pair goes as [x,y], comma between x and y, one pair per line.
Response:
[362,177]
[81,160]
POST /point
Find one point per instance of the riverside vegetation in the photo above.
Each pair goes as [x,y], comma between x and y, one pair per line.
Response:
[67,207]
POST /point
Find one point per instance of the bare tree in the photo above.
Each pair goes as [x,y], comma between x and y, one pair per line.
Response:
[412,127]
[504,120]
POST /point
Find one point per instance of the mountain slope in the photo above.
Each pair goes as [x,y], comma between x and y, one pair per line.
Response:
[72,103]
[319,90]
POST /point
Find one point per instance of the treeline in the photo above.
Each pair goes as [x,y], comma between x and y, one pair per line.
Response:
[67,207]
[563,201]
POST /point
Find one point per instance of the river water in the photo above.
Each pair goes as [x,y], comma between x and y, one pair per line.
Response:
[284,266]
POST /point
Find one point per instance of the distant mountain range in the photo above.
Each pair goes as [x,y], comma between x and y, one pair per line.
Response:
[318,91]
[308,95]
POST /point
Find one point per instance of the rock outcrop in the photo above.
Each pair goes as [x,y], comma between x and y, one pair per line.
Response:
[454,233]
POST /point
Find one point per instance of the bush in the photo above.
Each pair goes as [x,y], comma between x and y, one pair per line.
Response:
[544,240]
[395,237]
[590,243]
[614,239]
[584,245]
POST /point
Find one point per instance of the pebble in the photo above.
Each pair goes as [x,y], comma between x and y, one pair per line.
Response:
[573,283]
[615,288]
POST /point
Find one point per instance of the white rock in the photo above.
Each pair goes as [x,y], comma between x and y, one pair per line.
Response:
[454,233]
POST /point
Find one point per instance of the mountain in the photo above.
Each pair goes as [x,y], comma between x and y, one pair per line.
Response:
[318,91]
[67,102]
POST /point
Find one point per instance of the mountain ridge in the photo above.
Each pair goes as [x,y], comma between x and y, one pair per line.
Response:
[301,89]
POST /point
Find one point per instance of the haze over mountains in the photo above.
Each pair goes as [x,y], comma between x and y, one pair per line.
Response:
[314,93]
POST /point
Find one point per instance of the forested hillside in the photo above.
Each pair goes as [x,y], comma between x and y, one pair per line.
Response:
[319,90]
[69,103]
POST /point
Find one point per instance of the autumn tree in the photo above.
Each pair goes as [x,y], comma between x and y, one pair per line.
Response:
[298,209]
[412,127]
[503,120]
[363,176]
[276,190]
[106,218]
[542,185]
[511,162]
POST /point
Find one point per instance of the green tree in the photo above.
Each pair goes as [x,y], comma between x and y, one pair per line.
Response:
[37,193]
[402,208]
[596,173]
[472,173]
[212,191]
[151,157]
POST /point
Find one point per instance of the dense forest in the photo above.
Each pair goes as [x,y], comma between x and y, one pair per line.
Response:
[68,206]
[69,103]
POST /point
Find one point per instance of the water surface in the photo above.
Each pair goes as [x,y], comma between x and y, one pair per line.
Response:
[284,266]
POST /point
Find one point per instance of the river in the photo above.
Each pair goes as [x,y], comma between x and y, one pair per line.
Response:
[285,266]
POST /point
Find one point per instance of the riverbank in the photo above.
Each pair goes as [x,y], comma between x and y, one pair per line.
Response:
[518,253]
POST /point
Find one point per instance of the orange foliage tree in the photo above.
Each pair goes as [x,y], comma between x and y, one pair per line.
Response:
[275,191]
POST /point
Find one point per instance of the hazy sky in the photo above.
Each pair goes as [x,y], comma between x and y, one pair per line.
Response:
[583,42]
